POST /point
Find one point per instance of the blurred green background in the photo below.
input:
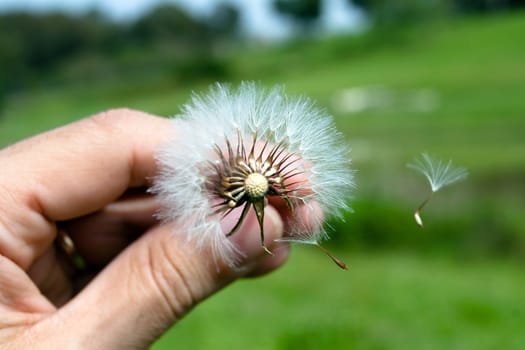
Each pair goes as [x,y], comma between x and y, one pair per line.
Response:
[444,77]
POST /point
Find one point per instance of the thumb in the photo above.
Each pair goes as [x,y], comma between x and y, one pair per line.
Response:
[156,281]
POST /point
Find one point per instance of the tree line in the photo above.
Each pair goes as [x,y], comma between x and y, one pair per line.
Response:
[32,45]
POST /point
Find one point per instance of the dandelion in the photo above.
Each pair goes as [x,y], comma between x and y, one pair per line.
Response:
[438,174]
[236,149]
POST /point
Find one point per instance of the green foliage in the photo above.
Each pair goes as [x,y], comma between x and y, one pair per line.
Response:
[406,12]
[225,20]
[168,22]
[487,6]
[201,68]
[304,10]
[35,43]
[403,12]
[37,47]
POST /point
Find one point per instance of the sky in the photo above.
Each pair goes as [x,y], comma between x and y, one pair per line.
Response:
[258,18]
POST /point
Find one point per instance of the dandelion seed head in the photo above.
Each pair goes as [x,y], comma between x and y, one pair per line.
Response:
[232,148]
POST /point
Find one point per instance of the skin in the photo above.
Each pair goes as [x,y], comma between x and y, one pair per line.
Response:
[89,179]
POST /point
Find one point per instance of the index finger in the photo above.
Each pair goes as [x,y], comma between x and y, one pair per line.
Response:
[70,172]
[79,168]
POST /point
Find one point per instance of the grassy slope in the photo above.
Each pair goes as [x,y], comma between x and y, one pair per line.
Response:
[477,68]
[382,302]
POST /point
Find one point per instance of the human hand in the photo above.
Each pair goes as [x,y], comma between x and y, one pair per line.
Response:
[88,179]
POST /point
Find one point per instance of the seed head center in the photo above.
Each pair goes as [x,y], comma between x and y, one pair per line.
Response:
[256,185]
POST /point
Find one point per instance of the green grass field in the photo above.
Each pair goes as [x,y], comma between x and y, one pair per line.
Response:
[384,301]
[455,89]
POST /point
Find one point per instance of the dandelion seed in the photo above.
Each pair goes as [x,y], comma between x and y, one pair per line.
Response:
[438,175]
[236,149]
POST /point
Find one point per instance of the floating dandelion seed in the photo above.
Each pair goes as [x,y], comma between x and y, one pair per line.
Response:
[438,174]
[235,149]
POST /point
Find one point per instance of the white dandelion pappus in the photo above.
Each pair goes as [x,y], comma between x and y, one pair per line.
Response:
[438,175]
[233,149]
